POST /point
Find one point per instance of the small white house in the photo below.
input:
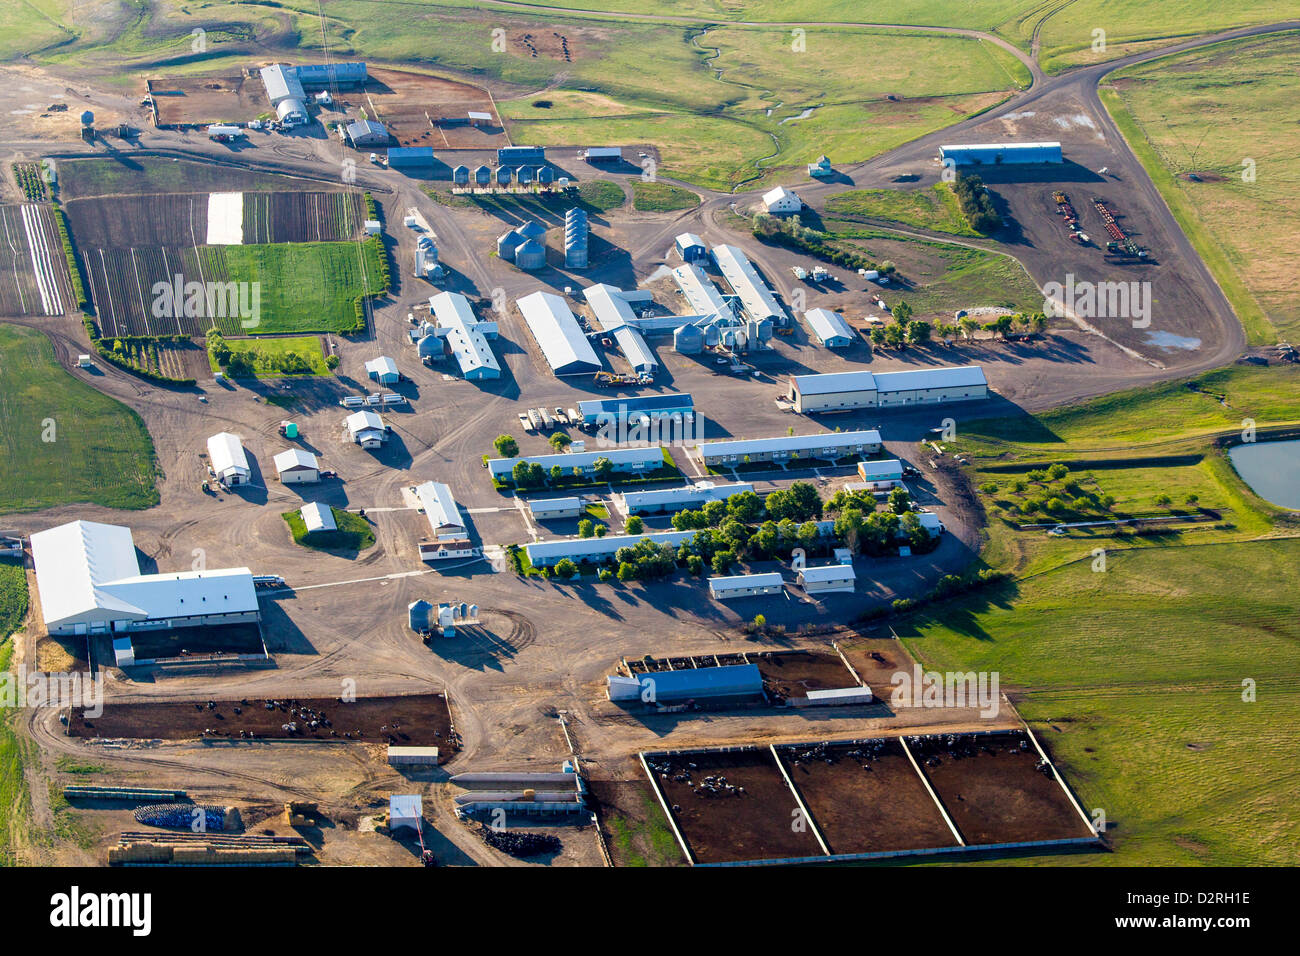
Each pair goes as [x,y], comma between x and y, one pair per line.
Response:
[318,517]
[405,811]
[745,585]
[829,579]
[553,509]
[297,467]
[366,429]
[383,370]
[881,475]
[781,200]
[227,458]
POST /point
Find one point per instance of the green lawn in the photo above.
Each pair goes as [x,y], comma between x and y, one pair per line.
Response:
[13,596]
[305,286]
[63,442]
[269,357]
[1133,677]
[935,208]
[1194,120]
[661,197]
[601,195]
[354,532]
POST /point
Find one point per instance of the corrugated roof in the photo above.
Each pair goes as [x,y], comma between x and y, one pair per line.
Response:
[226,453]
[814,443]
[887,467]
[363,420]
[755,296]
[651,456]
[727,681]
[318,517]
[383,365]
[557,333]
[630,406]
[827,325]
[441,509]
[829,382]
[294,458]
[467,340]
[924,378]
[543,505]
[597,548]
[686,497]
[741,582]
[703,296]
[829,572]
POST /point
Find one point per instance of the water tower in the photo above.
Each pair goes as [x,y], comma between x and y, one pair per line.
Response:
[88,126]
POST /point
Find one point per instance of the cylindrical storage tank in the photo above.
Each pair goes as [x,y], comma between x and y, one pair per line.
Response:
[524,175]
[546,175]
[530,255]
[460,175]
[507,244]
[417,613]
[503,175]
[482,176]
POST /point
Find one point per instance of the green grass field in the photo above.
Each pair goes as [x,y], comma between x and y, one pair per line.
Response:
[1133,677]
[354,532]
[1224,116]
[306,286]
[661,197]
[266,355]
[13,596]
[99,452]
[935,208]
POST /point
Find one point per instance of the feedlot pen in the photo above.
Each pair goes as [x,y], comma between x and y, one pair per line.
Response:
[865,799]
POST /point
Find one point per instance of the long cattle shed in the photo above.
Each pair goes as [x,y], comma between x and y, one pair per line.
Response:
[596,550]
[646,458]
[755,296]
[558,335]
[679,499]
[978,154]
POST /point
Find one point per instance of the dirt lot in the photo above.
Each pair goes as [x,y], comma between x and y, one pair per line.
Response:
[877,660]
[754,821]
[418,720]
[229,639]
[422,110]
[203,100]
[866,797]
[794,674]
[993,791]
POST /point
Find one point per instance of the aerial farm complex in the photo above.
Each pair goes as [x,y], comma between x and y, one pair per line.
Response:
[419,454]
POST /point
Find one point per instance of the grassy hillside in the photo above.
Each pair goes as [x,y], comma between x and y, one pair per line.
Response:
[98,452]
[1195,121]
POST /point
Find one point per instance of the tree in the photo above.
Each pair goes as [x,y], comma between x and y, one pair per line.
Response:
[893,336]
[560,441]
[722,562]
[999,326]
[808,536]
[918,333]
[626,571]
[522,474]
[745,506]
[887,267]
[918,538]
[565,569]
[968,327]
[714,512]
[506,446]
[735,533]
[760,621]
[901,313]
[695,565]
[332,362]
[1038,323]
[586,528]
[603,468]
[556,473]
[689,520]
[877,336]
[848,528]
[634,525]
[1057,471]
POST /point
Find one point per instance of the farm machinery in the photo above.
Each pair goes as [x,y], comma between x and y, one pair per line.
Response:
[1121,243]
[1065,209]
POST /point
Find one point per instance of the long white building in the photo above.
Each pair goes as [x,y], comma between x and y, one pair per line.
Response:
[679,499]
[227,458]
[828,445]
[638,458]
[89,582]
[830,328]
[558,335]
[846,391]
[596,550]
[466,335]
[756,298]
[440,508]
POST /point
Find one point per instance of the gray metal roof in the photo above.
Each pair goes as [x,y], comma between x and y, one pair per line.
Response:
[703,296]
[730,680]
[741,582]
[829,572]
[465,336]
[830,382]
[649,456]
[684,497]
[926,378]
[598,548]
[827,325]
[755,296]
[557,333]
[440,508]
[801,443]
